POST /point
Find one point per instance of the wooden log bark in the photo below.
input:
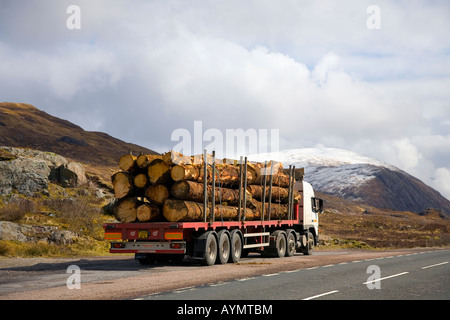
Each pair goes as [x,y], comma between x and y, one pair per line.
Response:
[279,194]
[127,162]
[122,184]
[174,158]
[193,191]
[140,180]
[158,172]
[226,175]
[176,210]
[277,211]
[125,209]
[279,179]
[157,193]
[148,212]
[144,160]
[185,172]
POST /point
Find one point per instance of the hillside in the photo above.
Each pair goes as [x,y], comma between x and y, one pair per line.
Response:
[354,189]
[23,125]
[350,224]
[361,179]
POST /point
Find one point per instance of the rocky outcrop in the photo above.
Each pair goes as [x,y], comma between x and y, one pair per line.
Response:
[29,171]
[11,231]
[70,174]
[26,176]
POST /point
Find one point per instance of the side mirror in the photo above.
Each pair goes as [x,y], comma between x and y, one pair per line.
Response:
[317,205]
[320,205]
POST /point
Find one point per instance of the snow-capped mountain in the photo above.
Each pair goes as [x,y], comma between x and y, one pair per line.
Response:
[359,178]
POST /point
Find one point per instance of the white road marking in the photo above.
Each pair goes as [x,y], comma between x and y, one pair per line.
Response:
[183,290]
[435,265]
[321,295]
[245,279]
[217,284]
[292,271]
[394,275]
[271,274]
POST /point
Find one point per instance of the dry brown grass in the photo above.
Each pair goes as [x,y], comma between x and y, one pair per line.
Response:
[345,221]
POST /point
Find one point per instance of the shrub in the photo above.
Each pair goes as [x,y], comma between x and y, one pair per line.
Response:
[79,216]
[16,210]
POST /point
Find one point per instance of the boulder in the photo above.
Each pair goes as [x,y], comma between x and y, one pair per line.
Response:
[24,175]
[29,171]
[11,231]
[63,237]
[71,174]
[14,232]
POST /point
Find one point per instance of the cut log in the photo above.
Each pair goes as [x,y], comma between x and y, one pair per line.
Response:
[122,183]
[157,193]
[176,210]
[144,160]
[174,158]
[193,191]
[185,172]
[279,194]
[298,173]
[279,179]
[148,212]
[127,162]
[158,172]
[226,175]
[140,180]
[180,210]
[125,209]
[277,211]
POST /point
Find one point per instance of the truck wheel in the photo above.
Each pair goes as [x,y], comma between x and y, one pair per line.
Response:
[236,247]
[308,249]
[223,252]
[290,245]
[210,250]
[280,244]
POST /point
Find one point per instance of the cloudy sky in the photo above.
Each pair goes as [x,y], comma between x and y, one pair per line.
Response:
[323,73]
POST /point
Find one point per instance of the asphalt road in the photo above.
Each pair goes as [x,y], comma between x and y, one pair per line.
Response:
[424,275]
[405,274]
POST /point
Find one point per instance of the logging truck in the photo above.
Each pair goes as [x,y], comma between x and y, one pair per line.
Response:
[219,233]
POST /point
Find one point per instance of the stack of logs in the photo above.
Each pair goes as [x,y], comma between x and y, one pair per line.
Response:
[170,187]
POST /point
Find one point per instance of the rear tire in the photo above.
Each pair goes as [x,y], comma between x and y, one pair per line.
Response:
[236,247]
[308,249]
[277,248]
[290,245]
[210,250]
[280,244]
[224,248]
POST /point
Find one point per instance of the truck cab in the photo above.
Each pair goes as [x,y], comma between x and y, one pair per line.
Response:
[309,209]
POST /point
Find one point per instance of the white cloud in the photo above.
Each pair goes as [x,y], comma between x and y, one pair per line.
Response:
[311,69]
[441,181]
[63,73]
[407,153]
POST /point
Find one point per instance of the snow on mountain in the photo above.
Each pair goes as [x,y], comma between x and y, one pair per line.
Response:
[328,169]
[328,157]
[359,178]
